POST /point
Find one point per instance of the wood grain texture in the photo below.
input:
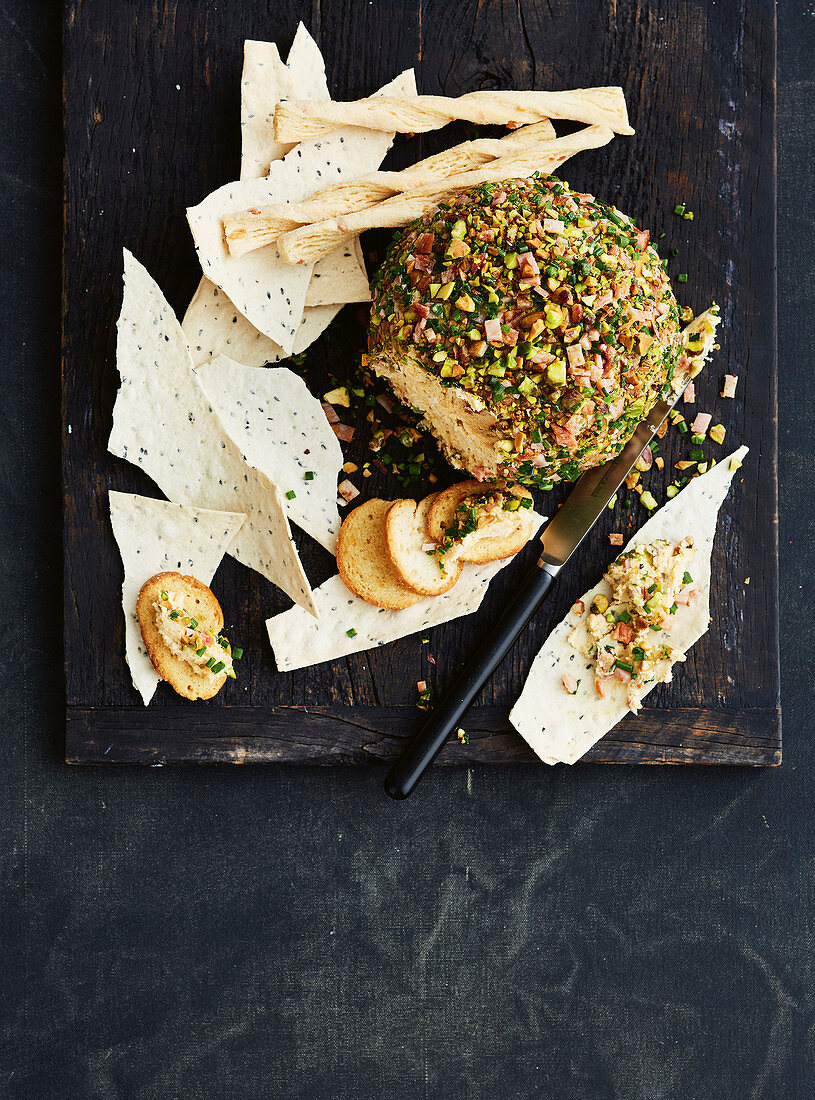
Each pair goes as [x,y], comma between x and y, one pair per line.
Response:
[151,126]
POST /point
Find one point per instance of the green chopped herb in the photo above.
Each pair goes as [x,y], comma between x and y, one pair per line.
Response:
[679,208]
[210,662]
[174,614]
[683,278]
[237,653]
[218,667]
[624,665]
[672,609]
[687,578]
[309,475]
[351,632]
[696,454]
[290,495]
[200,652]
[193,622]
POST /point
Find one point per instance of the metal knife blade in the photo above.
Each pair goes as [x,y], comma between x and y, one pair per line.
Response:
[585,504]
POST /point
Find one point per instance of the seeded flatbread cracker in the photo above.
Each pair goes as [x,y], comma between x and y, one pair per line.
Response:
[214,327]
[349,624]
[212,324]
[298,121]
[363,562]
[561,727]
[163,423]
[183,678]
[282,431]
[267,291]
[154,536]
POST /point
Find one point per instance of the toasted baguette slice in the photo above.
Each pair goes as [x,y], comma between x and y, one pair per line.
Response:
[180,674]
[486,547]
[363,562]
[406,538]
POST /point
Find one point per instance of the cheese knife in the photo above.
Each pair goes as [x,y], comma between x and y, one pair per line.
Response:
[560,538]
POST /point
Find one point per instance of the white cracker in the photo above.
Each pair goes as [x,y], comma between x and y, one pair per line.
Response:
[163,423]
[299,641]
[283,432]
[563,727]
[156,536]
[269,292]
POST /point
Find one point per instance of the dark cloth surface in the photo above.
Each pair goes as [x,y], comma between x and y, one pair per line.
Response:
[585,933]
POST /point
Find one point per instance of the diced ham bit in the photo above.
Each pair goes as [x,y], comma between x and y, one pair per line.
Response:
[729,387]
[575,355]
[343,432]
[689,396]
[578,607]
[563,437]
[347,491]
[643,239]
[701,423]
[425,242]
[623,675]
[330,414]
[615,538]
[431,660]
[569,683]
[492,330]
[624,633]
[421,686]
[478,348]
[387,402]
[538,461]
[429,547]
[421,308]
[511,338]
[603,300]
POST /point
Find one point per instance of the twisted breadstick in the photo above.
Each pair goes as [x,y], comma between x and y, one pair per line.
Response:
[247,230]
[295,121]
[310,242]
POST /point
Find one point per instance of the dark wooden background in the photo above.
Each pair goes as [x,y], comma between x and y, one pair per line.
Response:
[151,126]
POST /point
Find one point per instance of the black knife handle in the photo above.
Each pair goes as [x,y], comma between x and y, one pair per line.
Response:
[426,744]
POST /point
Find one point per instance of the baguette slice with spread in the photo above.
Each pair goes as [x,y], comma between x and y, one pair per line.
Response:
[412,555]
[165,604]
[511,528]
[363,562]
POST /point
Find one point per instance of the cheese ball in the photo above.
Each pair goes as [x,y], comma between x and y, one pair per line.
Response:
[533,327]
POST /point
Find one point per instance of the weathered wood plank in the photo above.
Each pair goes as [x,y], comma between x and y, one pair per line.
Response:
[151,125]
[366,735]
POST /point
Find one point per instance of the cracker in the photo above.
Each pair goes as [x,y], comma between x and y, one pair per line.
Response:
[282,431]
[363,562]
[349,624]
[298,121]
[154,536]
[267,291]
[406,541]
[310,242]
[562,727]
[182,677]
[214,327]
[163,423]
[486,548]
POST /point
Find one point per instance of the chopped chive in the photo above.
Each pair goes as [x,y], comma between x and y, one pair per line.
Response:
[682,278]
[697,454]
[309,475]
[351,633]
[624,665]
[672,609]
[218,667]
[679,208]
[200,652]
[687,578]
[682,426]
[210,662]
[193,622]
[237,653]
[290,495]
[174,614]
[163,594]
[674,251]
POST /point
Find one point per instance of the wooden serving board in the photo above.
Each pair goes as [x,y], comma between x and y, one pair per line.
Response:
[151,126]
